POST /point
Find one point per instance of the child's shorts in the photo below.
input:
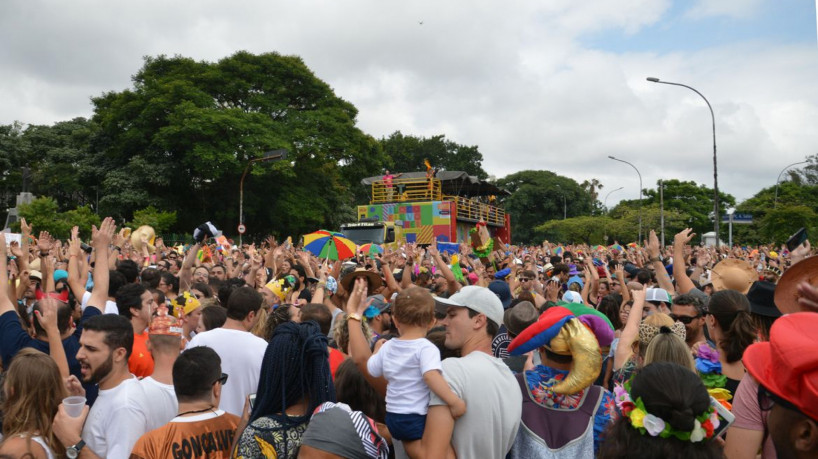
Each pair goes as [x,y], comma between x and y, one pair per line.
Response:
[406,427]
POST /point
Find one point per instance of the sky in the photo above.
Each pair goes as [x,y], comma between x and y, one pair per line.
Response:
[549,84]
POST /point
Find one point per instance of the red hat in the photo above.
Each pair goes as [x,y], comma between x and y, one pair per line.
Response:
[787,366]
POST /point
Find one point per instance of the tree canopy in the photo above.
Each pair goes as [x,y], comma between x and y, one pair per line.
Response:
[407,153]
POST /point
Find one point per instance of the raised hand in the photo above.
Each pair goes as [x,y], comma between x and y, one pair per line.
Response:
[25,228]
[652,245]
[45,242]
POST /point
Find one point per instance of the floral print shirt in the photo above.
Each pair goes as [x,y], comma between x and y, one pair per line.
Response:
[267,437]
[542,378]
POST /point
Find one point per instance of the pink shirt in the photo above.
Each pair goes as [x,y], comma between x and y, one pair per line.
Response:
[749,415]
[387,180]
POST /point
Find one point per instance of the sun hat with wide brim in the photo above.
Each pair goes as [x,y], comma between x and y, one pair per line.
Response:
[787,365]
[733,274]
[786,291]
[374,280]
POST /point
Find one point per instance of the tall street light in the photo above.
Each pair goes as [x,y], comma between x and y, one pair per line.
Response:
[775,203]
[266,156]
[716,215]
[609,193]
[640,192]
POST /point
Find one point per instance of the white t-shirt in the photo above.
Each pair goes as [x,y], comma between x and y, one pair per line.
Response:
[110,306]
[242,353]
[163,405]
[494,405]
[403,363]
[117,420]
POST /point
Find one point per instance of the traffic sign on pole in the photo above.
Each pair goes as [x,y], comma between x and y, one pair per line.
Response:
[242,228]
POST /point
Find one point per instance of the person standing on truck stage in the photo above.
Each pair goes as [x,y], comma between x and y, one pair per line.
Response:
[387,183]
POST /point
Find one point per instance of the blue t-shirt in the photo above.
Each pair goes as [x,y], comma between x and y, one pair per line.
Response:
[13,338]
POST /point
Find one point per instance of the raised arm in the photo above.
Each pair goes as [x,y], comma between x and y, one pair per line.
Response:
[101,239]
[359,349]
[444,269]
[48,319]
[186,273]
[658,266]
[5,302]
[683,282]
[631,331]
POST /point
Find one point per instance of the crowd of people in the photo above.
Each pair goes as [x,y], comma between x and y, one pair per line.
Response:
[123,347]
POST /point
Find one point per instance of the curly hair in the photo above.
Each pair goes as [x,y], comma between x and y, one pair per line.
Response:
[340,332]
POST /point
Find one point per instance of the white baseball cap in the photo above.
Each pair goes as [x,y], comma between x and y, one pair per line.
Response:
[478,299]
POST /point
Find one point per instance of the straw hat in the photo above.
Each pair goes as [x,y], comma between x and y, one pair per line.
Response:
[373,278]
[733,274]
[786,291]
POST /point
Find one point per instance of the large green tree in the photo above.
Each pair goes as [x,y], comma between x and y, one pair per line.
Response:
[690,199]
[539,196]
[182,136]
[406,153]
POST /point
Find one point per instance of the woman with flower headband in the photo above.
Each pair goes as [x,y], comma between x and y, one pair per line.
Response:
[666,413]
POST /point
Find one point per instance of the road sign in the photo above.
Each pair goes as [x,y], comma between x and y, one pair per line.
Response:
[738,218]
[242,228]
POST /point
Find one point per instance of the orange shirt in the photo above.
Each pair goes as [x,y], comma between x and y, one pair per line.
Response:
[141,362]
[207,435]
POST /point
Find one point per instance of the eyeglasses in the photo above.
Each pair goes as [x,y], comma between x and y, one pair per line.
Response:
[222,379]
[684,319]
[524,279]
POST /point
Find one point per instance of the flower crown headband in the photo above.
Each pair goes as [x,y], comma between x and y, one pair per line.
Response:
[704,425]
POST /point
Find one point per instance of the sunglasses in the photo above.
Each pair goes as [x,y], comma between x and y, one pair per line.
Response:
[684,319]
[767,399]
[222,379]
[524,279]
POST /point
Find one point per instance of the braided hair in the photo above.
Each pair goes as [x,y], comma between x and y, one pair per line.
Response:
[295,367]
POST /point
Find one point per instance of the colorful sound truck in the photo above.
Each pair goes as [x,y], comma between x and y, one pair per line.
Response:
[414,207]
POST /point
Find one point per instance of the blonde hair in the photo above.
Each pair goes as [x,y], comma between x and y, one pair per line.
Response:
[667,347]
[650,327]
[340,332]
[34,390]
[260,328]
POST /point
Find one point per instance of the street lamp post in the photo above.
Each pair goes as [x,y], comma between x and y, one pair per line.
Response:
[609,193]
[640,192]
[775,203]
[266,156]
[716,214]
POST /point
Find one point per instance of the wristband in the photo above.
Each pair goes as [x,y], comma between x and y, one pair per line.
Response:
[654,259]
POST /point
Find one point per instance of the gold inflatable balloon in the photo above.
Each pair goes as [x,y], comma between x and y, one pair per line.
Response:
[576,340]
[143,232]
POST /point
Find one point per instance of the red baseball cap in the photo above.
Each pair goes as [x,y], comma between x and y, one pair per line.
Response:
[787,366]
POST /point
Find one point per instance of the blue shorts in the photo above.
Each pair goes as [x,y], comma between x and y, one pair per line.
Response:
[405,426]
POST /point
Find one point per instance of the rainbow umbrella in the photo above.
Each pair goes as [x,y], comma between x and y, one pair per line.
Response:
[370,249]
[616,247]
[330,245]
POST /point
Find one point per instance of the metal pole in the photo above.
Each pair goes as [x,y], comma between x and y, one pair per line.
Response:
[609,193]
[662,210]
[241,197]
[730,233]
[775,203]
[716,215]
[640,192]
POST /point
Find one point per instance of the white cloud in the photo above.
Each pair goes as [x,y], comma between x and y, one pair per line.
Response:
[510,77]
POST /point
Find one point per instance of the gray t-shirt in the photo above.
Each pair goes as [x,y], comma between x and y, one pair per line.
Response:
[494,405]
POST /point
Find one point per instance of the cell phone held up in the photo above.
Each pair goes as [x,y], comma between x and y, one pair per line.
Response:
[797,239]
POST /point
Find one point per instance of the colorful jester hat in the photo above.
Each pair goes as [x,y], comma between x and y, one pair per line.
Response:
[562,332]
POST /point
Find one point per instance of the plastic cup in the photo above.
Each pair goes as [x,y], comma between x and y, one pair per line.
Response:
[74,405]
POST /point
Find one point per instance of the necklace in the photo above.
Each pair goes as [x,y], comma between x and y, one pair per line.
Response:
[209,408]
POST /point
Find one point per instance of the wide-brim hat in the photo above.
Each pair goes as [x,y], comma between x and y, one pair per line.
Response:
[787,365]
[762,299]
[786,291]
[733,274]
[374,280]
